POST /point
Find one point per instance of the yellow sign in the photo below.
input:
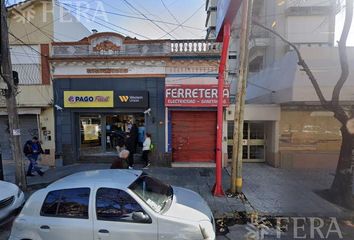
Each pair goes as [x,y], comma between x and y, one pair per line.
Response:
[90,132]
[88,99]
[124,98]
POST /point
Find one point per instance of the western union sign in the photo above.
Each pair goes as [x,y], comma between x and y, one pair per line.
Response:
[88,99]
[124,98]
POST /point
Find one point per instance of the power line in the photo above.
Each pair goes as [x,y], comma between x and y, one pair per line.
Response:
[129,4]
[92,20]
[130,16]
[179,25]
[175,18]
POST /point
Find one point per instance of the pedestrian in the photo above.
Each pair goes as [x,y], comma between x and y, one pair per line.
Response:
[146,149]
[122,161]
[129,144]
[32,151]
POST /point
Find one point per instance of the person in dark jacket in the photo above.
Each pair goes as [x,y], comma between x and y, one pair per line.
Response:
[122,161]
[32,151]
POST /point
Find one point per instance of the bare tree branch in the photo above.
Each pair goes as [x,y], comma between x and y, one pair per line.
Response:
[342,47]
[301,62]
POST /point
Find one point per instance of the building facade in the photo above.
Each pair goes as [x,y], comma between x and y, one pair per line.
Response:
[106,82]
[299,134]
[33,25]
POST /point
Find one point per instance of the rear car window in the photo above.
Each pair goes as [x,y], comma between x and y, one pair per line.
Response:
[71,203]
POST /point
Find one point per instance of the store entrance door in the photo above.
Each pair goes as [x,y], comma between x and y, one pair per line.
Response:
[253,141]
[100,134]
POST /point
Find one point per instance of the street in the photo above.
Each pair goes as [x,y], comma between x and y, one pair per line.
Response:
[150,119]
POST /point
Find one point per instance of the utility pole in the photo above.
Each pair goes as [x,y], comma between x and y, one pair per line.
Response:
[236,170]
[10,95]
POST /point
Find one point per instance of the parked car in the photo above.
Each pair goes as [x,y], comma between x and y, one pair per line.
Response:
[11,199]
[113,204]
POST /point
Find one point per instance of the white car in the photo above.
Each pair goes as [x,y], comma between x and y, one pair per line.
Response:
[113,204]
[11,199]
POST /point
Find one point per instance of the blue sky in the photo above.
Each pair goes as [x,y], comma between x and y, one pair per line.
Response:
[173,19]
[186,17]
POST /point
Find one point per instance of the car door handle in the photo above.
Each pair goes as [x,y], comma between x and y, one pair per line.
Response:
[103,231]
[45,227]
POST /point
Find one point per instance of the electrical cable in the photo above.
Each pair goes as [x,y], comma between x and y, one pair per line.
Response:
[137,10]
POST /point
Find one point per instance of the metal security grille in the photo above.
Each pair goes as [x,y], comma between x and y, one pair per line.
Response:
[6,202]
[28,73]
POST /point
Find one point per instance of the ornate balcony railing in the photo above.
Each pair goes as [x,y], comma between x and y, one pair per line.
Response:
[148,48]
[194,46]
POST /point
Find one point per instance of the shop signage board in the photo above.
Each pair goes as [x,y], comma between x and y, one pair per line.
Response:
[88,99]
[186,95]
[132,99]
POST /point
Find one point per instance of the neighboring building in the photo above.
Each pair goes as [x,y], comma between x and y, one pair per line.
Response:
[106,81]
[285,124]
[30,50]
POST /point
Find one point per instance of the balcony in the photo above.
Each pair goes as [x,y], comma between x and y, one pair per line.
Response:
[142,48]
[190,47]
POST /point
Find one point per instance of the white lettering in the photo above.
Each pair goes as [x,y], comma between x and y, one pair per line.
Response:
[195,93]
[188,92]
[314,228]
[214,93]
[180,93]
[174,93]
[168,92]
[207,93]
[297,227]
[336,228]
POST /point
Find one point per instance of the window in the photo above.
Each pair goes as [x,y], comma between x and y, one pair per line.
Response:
[153,192]
[71,203]
[115,205]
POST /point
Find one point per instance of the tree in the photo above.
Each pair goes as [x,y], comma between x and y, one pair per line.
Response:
[341,189]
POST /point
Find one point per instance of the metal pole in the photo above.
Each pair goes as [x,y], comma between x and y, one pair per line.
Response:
[217,189]
[237,150]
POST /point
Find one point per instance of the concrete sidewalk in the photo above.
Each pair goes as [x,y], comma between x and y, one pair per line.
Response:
[270,191]
[294,192]
[200,180]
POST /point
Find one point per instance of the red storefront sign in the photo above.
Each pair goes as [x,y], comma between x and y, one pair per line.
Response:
[183,95]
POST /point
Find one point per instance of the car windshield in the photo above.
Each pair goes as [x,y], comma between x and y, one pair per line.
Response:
[152,191]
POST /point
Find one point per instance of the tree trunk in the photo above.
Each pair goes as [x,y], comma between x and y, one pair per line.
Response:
[341,189]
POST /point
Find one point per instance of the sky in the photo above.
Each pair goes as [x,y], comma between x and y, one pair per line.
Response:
[168,19]
[171,19]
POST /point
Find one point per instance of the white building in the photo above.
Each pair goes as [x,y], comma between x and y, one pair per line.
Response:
[300,134]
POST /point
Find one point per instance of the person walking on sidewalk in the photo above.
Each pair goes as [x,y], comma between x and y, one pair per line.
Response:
[146,149]
[32,151]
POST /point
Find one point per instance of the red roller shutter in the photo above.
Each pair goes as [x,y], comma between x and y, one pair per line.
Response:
[193,136]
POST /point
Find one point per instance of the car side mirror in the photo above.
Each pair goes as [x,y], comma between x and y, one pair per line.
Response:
[141,217]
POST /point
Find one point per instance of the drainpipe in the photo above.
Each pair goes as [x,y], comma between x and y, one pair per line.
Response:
[217,189]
